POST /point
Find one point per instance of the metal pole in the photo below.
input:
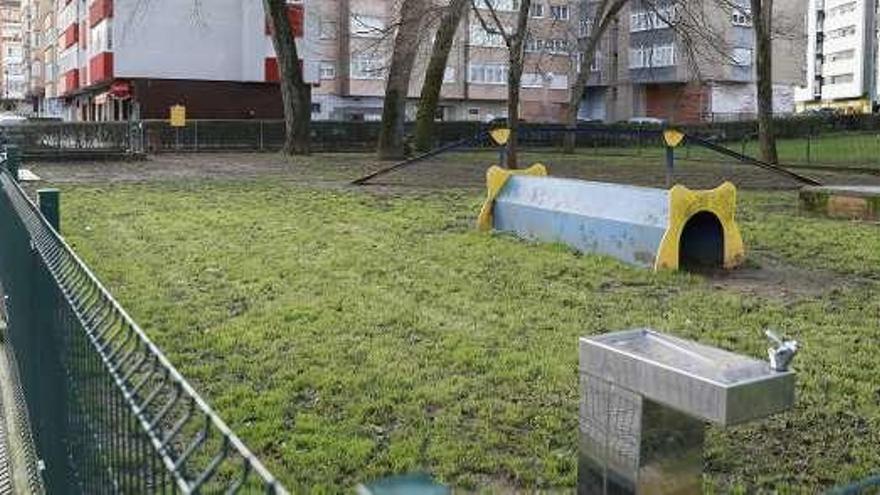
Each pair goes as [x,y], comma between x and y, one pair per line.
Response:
[670,165]
[262,139]
[808,147]
[49,201]
[196,126]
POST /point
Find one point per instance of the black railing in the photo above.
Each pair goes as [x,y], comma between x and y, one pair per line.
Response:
[109,412]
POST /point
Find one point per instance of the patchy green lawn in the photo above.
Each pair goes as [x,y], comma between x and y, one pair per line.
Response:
[348,335]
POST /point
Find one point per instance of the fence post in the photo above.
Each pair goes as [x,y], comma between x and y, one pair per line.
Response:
[809,143]
[13,160]
[670,165]
[49,201]
[262,139]
[196,132]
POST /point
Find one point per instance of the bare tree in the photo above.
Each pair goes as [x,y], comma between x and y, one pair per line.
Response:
[430,96]
[296,93]
[598,21]
[762,19]
[403,56]
[514,39]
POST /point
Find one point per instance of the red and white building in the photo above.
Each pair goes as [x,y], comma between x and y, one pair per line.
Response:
[118,57]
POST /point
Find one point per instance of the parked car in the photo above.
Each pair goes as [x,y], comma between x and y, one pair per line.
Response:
[501,122]
[646,121]
[11,119]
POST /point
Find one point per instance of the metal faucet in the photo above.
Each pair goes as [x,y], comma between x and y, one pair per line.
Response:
[781,355]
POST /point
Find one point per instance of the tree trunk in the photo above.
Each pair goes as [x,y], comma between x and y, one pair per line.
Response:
[403,56]
[514,77]
[515,56]
[430,96]
[296,94]
[762,15]
[605,13]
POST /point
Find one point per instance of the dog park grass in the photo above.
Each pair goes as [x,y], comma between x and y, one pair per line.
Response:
[348,334]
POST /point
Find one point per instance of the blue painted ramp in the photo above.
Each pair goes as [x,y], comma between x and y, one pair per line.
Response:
[626,222]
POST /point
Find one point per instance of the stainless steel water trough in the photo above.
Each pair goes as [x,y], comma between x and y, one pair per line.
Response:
[645,398]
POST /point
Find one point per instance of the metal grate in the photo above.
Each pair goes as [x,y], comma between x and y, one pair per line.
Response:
[110,413]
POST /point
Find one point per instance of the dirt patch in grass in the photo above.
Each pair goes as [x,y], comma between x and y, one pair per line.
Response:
[767,275]
[452,170]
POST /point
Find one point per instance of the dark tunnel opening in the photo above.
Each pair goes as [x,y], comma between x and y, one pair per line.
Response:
[701,247]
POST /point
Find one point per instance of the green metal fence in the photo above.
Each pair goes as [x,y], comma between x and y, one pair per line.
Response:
[109,412]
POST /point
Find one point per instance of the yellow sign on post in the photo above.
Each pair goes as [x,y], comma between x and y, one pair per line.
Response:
[673,137]
[178,116]
[500,135]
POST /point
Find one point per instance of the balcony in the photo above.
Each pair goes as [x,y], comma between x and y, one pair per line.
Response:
[101,68]
[71,80]
[71,36]
[100,10]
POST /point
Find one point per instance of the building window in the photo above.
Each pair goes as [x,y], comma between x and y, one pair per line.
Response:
[741,17]
[596,66]
[500,5]
[584,27]
[316,108]
[841,55]
[536,10]
[481,37]
[532,80]
[842,9]
[367,67]
[645,57]
[741,57]
[840,79]
[327,70]
[327,30]
[473,111]
[559,12]
[367,26]
[557,46]
[843,32]
[534,44]
[449,75]
[650,20]
[487,73]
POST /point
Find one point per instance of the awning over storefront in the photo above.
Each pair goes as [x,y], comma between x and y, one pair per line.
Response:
[120,90]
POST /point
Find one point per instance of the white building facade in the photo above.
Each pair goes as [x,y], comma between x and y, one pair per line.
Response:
[13,83]
[122,56]
[842,56]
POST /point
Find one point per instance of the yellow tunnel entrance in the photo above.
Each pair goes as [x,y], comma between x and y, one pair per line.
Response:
[701,246]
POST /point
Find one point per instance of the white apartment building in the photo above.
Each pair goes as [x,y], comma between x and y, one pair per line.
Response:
[116,57]
[12,63]
[841,64]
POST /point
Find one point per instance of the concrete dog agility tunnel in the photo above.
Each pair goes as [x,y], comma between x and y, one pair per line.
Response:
[655,228]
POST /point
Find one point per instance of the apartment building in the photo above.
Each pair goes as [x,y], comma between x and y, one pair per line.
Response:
[841,59]
[12,63]
[652,63]
[39,47]
[353,48]
[123,58]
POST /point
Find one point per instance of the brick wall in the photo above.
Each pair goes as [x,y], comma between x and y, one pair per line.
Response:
[676,103]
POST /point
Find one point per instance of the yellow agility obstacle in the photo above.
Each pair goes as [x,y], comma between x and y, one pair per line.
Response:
[658,228]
